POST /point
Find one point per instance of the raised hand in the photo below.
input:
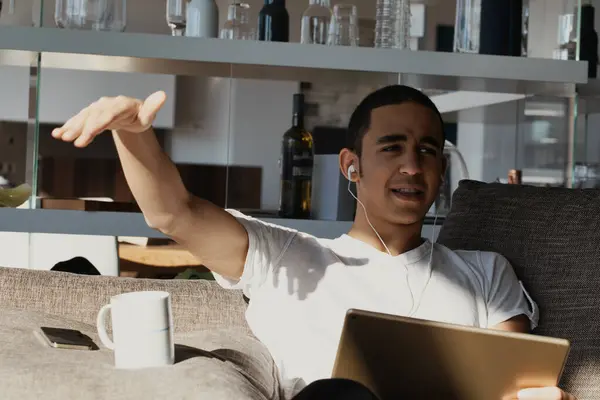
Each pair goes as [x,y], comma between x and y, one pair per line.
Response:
[110,113]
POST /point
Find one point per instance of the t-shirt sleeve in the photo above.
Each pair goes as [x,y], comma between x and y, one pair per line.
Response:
[506,295]
[266,245]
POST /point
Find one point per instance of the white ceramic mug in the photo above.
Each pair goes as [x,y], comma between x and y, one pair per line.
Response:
[142,327]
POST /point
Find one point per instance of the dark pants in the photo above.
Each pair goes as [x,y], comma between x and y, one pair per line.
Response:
[335,389]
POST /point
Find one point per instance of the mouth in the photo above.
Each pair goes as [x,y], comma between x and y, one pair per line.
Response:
[409,194]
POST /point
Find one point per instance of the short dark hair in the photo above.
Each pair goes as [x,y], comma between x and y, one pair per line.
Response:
[360,120]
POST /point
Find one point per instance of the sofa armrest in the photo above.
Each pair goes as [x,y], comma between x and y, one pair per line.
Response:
[197,304]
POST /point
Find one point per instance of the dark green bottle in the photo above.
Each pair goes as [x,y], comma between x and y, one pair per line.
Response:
[297,159]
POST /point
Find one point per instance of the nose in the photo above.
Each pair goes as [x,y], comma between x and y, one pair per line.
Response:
[410,164]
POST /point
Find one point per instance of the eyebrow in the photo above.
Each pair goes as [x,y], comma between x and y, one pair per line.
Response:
[397,137]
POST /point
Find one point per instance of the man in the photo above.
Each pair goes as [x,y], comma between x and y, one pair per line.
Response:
[301,286]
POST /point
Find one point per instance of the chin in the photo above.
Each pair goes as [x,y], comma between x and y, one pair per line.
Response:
[407,214]
[408,220]
[407,217]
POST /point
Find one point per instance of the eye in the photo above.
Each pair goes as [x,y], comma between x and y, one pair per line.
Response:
[394,147]
[428,150]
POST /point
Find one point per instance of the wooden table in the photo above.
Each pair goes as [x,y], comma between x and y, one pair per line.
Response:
[156,261]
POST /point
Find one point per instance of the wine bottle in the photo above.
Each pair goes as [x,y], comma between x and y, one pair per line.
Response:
[297,159]
[588,50]
[274,22]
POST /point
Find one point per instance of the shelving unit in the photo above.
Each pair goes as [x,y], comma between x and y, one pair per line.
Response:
[467,80]
[150,53]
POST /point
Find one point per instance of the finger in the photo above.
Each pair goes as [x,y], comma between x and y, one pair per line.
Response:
[59,133]
[549,393]
[72,128]
[100,116]
[95,124]
[150,107]
[98,122]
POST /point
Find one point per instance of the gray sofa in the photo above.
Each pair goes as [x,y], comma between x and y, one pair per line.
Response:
[216,355]
[550,235]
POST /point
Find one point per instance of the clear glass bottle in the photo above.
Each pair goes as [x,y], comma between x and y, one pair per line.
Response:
[237,26]
[392,24]
[343,28]
[467,26]
[315,22]
[402,16]
[100,15]
[177,16]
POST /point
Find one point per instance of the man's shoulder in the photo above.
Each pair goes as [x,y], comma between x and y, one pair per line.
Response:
[250,222]
[477,259]
[271,231]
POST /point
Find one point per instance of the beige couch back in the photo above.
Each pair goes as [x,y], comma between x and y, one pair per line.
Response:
[197,304]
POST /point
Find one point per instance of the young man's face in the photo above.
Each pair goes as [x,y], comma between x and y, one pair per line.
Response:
[402,162]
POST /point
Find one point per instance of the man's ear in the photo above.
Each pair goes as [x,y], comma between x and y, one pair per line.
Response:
[347,158]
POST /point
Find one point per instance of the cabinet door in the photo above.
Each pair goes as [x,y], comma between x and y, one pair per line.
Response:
[14,93]
[64,92]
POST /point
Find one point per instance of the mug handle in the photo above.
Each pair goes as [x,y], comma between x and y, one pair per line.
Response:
[101,325]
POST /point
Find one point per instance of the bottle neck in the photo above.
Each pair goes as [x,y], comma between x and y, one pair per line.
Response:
[323,3]
[298,119]
[587,17]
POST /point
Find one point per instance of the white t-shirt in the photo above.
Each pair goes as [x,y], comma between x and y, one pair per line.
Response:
[300,288]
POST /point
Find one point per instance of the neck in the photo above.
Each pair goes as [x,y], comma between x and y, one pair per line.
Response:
[398,238]
[298,120]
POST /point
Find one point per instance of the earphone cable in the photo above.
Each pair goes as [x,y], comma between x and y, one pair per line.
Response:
[413,308]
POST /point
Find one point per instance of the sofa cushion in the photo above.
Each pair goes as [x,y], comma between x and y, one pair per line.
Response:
[197,304]
[551,236]
[218,364]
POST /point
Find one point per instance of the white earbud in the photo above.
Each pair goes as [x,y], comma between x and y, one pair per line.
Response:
[414,304]
[351,170]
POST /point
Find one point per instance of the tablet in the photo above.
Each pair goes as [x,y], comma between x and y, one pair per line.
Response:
[399,357]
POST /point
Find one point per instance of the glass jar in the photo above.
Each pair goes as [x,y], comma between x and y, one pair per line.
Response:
[489,27]
[343,29]
[237,26]
[100,15]
[315,22]
[392,24]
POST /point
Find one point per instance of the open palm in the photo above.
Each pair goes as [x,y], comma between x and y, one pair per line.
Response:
[110,113]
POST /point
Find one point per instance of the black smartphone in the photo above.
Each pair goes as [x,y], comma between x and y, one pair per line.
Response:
[61,338]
